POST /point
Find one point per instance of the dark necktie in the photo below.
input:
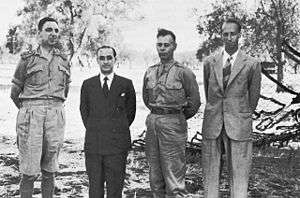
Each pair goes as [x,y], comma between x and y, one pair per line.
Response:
[226,72]
[105,87]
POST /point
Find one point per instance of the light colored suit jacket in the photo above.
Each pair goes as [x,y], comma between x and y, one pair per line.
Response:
[234,105]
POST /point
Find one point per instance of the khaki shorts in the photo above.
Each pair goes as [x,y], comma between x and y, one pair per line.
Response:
[40,135]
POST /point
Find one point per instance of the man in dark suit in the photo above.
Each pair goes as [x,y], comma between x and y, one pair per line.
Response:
[107,106]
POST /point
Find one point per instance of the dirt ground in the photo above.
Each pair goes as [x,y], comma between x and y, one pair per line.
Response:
[274,173]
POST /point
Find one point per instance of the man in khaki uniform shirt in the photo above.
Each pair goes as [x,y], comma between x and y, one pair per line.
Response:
[40,86]
[171,92]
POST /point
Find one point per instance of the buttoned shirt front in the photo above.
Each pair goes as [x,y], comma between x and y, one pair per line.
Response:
[226,56]
[110,78]
[41,78]
[171,85]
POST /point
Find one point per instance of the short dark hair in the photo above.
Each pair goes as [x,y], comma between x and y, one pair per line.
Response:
[44,20]
[164,32]
[233,20]
[107,47]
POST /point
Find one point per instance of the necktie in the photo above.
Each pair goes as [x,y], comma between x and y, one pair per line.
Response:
[226,72]
[105,87]
[162,70]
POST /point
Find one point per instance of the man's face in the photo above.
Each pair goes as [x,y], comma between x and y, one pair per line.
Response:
[49,34]
[230,35]
[165,47]
[106,60]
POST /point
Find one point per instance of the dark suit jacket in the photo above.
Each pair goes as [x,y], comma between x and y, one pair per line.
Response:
[107,120]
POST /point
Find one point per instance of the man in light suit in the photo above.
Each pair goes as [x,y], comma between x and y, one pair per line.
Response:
[232,82]
[107,106]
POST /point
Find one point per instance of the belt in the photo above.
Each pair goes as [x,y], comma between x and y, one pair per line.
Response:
[42,102]
[162,111]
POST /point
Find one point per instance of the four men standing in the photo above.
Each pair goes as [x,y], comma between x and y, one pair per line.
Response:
[108,105]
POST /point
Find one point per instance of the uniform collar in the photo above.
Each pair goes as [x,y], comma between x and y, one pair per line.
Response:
[167,65]
[54,51]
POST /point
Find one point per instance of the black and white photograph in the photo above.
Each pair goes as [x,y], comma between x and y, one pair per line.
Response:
[150,99]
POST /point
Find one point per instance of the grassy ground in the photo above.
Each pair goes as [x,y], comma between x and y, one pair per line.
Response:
[274,173]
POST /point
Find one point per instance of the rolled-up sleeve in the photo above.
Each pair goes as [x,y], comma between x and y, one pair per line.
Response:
[18,82]
[20,74]
[191,89]
[68,80]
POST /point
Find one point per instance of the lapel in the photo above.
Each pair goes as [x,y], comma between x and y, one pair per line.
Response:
[218,68]
[98,85]
[113,87]
[237,66]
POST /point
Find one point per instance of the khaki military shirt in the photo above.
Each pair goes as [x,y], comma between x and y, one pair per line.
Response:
[171,86]
[40,78]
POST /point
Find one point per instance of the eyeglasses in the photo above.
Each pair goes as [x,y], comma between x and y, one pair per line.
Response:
[102,58]
[51,29]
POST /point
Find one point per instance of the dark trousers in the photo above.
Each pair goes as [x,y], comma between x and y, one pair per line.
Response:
[105,168]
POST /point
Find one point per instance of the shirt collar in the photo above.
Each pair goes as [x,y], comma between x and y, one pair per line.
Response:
[167,65]
[226,56]
[109,76]
[40,52]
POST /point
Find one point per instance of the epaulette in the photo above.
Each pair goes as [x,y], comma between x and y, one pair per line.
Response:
[156,65]
[27,54]
[177,64]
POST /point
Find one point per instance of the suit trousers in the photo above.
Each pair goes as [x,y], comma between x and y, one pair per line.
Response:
[238,157]
[165,150]
[109,169]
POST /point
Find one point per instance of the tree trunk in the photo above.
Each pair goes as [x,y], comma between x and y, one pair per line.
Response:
[278,55]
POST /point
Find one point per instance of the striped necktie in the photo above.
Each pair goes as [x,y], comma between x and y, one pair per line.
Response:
[226,71]
[105,87]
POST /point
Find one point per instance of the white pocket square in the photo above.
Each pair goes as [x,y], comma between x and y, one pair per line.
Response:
[122,94]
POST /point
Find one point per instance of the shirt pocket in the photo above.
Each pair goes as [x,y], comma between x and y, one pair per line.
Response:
[174,85]
[35,74]
[174,93]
